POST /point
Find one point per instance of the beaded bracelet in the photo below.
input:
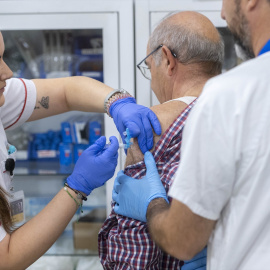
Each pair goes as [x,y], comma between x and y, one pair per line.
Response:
[78,204]
[80,196]
[114,96]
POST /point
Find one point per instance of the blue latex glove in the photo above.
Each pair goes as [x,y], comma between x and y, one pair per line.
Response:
[138,119]
[132,196]
[95,166]
[196,263]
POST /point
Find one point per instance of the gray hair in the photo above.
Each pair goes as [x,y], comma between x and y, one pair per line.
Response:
[189,46]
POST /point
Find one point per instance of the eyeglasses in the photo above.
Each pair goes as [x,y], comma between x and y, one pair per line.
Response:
[146,70]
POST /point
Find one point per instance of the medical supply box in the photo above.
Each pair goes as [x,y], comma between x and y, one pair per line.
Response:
[85,230]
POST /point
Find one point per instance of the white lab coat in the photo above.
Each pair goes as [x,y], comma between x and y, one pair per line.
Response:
[224,173]
[20,100]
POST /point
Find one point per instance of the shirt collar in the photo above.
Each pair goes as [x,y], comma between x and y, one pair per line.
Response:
[266,48]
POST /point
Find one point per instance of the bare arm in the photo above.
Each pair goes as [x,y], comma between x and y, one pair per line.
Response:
[166,114]
[55,96]
[33,239]
[176,229]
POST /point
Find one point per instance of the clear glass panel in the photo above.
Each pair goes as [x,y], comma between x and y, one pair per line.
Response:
[45,147]
[54,54]
[230,59]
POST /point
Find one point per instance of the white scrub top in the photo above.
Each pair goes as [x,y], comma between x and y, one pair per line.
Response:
[20,100]
[224,173]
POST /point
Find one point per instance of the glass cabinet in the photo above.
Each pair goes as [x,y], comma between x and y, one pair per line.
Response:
[53,39]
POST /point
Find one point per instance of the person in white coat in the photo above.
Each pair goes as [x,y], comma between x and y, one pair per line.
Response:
[221,189]
[27,100]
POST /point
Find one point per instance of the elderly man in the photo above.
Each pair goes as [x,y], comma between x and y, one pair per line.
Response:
[221,189]
[183,52]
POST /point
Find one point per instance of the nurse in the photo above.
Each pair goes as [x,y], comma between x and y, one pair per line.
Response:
[221,189]
[27,100]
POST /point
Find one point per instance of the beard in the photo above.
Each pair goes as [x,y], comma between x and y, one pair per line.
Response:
[242,53]
[242,50]
[241,35]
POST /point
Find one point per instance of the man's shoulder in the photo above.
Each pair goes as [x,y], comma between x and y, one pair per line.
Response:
[169,108]
[233,84]
[168,112]
[253,69]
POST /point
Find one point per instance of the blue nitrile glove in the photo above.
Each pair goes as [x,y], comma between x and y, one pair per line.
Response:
[132,196]
[95,166]
[198,262]
[138,119]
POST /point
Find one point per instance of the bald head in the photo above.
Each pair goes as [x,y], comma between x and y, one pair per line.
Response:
[195,22]
[192,37]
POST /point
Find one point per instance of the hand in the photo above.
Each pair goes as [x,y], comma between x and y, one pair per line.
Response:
[95,166]
[138,119]
[196,263]
[132,196]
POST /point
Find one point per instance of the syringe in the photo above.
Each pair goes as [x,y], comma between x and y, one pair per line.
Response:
[127,139]
[122,145]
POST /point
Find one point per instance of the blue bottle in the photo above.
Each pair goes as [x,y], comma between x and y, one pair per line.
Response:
[65,151]
[94,131]
[66,132]
[78,149]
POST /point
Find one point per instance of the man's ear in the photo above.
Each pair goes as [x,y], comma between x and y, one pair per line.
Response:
[169,59]
[251,4]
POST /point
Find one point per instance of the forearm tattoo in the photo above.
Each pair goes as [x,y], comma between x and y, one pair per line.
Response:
[44,103]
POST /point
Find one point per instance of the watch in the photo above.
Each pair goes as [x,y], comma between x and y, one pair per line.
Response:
[114,96]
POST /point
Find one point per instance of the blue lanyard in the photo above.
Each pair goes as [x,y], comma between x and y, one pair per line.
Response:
[266,48]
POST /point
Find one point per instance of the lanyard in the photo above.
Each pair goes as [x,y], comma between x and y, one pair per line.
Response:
[266,48]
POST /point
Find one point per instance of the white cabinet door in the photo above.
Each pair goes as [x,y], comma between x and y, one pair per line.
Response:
[114,18]
[147,16]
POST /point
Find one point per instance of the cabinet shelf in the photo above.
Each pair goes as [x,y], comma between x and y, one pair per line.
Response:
[41,168]
[64,247]
[78,262]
